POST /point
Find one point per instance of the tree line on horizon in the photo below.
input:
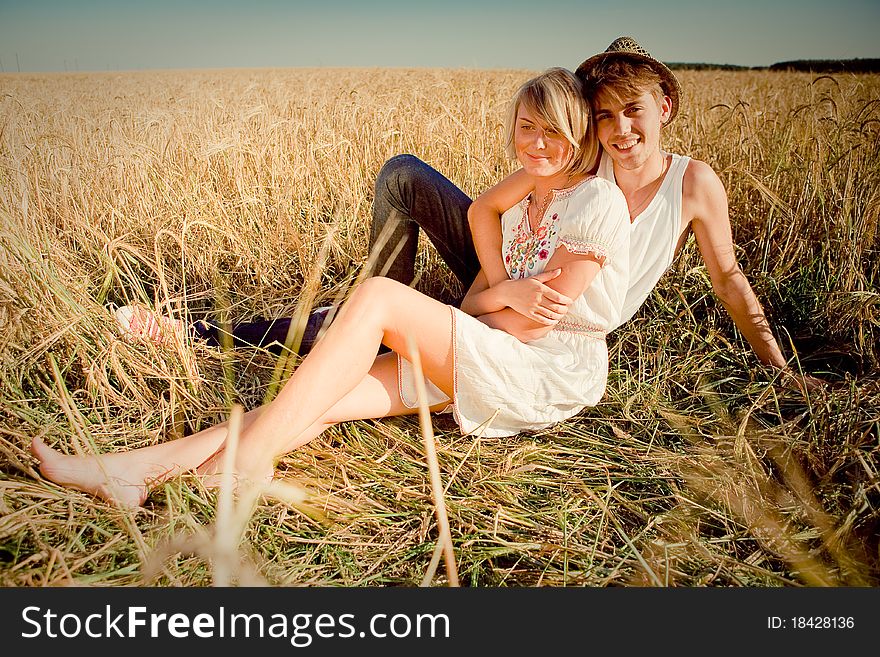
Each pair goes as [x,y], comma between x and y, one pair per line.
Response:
[805,65]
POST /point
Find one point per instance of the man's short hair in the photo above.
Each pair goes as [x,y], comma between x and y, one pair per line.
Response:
[626,70]
[621,78]
[556,97]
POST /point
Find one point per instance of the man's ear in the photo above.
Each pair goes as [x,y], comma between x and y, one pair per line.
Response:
[665,109]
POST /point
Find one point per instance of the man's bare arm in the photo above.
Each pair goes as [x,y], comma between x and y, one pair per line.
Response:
[711,226]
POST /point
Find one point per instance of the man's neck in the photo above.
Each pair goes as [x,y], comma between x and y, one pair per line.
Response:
[630,180]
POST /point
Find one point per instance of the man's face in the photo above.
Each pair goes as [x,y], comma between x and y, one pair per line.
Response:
[629,130]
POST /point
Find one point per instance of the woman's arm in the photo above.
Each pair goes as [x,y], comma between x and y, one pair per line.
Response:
[484,217]
[530,297]
[576,273]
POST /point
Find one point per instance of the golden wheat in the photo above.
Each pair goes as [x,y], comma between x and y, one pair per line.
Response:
[212,192]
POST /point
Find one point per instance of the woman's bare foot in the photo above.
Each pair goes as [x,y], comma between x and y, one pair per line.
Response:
[90,474]
[212,471]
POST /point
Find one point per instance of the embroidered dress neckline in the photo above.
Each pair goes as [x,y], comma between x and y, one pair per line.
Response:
[555,194]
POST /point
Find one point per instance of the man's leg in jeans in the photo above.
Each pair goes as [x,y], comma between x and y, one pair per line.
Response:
[270,334]
[409,195]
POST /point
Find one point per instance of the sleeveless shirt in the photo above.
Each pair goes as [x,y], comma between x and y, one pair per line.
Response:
[654,234]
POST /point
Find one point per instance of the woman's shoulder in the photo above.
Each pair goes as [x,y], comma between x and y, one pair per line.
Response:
[596,189]
[517,208]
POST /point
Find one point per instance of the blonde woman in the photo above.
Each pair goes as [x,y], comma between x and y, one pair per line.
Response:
[496,370]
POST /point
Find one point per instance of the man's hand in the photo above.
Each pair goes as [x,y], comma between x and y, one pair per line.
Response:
[532,298]
[803,383]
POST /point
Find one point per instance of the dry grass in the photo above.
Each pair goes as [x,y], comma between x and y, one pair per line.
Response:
[213,192]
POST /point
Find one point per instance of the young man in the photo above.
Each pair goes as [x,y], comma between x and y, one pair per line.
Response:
[634,96]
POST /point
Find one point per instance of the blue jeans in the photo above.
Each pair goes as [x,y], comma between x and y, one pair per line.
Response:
[409,195]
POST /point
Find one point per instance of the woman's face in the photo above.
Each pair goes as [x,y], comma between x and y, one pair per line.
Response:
[541,150]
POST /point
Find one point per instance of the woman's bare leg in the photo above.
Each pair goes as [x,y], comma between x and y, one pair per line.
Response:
[376,396]
[380,310]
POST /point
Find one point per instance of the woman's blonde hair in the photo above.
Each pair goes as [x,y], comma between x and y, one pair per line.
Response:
[556,98]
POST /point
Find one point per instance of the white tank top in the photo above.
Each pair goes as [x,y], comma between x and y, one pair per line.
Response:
[654,235]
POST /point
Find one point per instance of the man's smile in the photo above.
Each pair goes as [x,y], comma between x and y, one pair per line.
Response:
[626,144]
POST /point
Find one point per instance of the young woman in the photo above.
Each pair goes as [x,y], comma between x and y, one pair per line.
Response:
[498,371]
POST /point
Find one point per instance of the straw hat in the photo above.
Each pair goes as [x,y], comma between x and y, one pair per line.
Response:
[628,47]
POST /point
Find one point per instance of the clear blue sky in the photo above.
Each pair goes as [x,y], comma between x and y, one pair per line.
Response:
[58,35]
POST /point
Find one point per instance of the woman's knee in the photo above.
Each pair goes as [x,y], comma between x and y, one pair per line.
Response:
[378,289]
[375,296]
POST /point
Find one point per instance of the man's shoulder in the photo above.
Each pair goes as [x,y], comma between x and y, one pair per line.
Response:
[703,194]
[699,174]
[701,185]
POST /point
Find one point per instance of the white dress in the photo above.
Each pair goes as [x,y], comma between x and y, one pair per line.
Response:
[504,386]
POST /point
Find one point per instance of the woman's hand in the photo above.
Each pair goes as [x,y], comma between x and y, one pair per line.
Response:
[532,298]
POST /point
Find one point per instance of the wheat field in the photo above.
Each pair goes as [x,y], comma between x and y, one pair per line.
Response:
[214,192]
